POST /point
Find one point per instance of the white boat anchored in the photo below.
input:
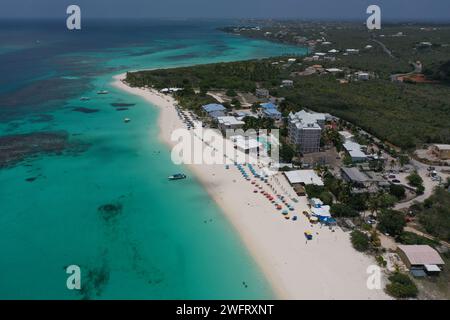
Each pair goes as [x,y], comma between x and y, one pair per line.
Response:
[177,176]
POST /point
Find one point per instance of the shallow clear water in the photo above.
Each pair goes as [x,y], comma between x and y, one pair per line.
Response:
[170,240]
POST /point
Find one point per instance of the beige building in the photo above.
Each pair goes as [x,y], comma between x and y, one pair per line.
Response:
[442,151]
[421,257]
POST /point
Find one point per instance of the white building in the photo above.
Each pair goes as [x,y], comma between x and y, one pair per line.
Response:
[346,136]
[305,129]
[303,177]
[321,212]
[315,202]
[355,151]
[229,122]
[247,145]
[287,83]
[262,93]
[333,70]
[363,76]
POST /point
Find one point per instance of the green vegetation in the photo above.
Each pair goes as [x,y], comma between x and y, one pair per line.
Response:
[360,240]
[287,152]
[241,76]
[343,210]
[231,93]
[447,183]
[391,222]
[258,123]
[319,192]
[381,201]
[407,115]
[397,191]
[439,71]
[190,100]
[416,181]
[411,238]
[381,262]
[401,286]
[434,214]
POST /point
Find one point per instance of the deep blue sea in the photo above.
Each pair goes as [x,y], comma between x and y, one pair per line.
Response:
[103,202]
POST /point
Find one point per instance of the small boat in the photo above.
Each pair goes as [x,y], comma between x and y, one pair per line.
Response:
[102,92]
[126,120]
[84,98]
[177,176]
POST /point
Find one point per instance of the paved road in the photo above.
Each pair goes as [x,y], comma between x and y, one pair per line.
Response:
[385,49]
[427,183]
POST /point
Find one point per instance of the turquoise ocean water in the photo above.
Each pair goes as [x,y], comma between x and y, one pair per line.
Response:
[169,240]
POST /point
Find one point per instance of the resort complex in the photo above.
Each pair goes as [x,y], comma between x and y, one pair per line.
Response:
[330,172]
[199,160]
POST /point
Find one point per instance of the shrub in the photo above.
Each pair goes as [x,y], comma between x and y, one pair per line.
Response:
[313,190]
[381,262]
[391,222]
[434,215]
[231,93]
[420,189]
[342,210]
[401,286]
[375,239]
[360,240]
[412,238]
[397,191]
[326,197]
[414,179]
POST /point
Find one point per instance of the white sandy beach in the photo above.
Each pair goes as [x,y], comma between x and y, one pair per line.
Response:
[326,267]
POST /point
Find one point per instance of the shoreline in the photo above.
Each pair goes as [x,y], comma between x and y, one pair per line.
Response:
[325,268]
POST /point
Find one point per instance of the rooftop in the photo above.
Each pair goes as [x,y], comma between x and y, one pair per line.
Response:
[305,120]
[268,105]
[216,114]
[356,175]
[304,177]
[229,121]
[333,70]
[213,107]
[421,255]
[272,112]
[442,146]
[323,211]
[354,149]
[346,135]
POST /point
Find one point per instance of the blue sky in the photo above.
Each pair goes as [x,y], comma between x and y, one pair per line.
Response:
[313,9]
